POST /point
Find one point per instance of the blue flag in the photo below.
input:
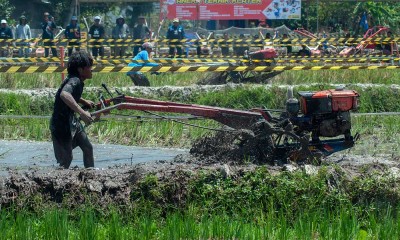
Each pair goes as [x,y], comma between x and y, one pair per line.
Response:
[364,21]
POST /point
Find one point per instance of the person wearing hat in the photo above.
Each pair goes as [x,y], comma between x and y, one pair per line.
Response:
[140,31]
[73,32]
[23,31]
[175,31]
[5,33]
[48,27]
[96,31]
[138,78]
[120,31]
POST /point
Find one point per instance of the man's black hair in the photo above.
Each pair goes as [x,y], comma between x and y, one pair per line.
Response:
[78,59]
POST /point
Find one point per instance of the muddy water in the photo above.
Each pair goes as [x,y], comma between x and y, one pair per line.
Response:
[25,155]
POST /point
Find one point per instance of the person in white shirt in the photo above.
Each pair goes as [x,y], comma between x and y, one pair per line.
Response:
[23,31]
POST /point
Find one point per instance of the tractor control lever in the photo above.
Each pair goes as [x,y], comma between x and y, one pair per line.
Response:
[106,88]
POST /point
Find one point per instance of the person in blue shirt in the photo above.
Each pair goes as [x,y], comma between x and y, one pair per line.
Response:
[73,31]
[138,78]
[175,31]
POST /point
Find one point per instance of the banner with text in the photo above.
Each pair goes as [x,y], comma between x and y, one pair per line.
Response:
[230,9]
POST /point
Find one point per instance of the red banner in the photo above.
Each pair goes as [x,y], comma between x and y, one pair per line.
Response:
[230,9]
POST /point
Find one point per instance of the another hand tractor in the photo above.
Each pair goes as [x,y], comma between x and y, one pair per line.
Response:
[315,125]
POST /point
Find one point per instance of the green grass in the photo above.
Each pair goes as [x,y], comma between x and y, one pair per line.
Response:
[41,80]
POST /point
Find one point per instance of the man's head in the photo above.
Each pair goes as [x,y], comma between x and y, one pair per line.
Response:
[141,19]
[175,21]
[46,16]
[3,23]
[147,46]
[226,36]
[80,64]
[22,19]
[74,20]
[389,34]
[120,20]
[97,20]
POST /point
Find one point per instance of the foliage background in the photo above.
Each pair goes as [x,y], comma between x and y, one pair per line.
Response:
[324,15]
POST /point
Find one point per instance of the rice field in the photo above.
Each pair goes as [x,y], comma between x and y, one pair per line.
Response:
[255,205]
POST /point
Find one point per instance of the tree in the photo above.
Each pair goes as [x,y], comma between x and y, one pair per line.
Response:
[6,9]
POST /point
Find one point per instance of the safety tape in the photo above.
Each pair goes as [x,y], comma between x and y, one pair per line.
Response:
[221,40]
[294,56]
[272,45]
[101,69]
[188,61]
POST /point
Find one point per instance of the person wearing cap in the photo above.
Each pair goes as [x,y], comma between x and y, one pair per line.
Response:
[5,33]
[138,78]
[97,31]
[175,31]
[48,27]
[140,31]
[73,32]
[120,31]
[23,31]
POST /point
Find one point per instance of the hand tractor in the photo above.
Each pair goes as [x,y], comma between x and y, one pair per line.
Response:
[265,57]
[314,125]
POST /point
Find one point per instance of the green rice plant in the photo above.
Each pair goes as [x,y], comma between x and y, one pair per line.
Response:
[88,227]
[53,80]
[55,225]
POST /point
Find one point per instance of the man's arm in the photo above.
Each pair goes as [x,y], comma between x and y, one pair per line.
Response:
[86,102]
[28,32]
[69,100]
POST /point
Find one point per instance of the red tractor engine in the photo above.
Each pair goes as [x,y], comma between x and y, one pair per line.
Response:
[325,113]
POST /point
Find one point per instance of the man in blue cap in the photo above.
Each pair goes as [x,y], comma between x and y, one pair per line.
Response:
[73,32]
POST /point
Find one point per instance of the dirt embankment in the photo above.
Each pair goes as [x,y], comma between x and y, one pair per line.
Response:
[222,154]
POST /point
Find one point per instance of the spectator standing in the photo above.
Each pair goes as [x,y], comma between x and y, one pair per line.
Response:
[73,32]
[23,31]
[97,31]
[5,33]
[257,42]
[286,44]
[389,46]
[225,45]
[175,31]
[48,27]
[241,47]
[120,31]
[140,31]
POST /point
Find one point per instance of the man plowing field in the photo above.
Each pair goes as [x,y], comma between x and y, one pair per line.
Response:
[317,124]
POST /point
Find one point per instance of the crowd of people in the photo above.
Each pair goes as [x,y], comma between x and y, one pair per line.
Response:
[121,31]
[72,33]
